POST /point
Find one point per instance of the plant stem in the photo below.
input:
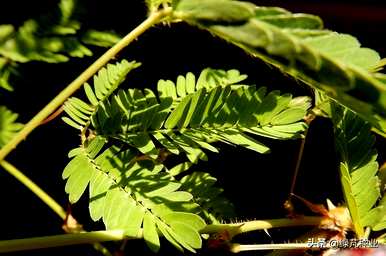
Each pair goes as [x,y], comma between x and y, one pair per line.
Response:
[309,118]
[116,235]
[236,248]
[153,19]
[243,227]
[60,240]
[47,199]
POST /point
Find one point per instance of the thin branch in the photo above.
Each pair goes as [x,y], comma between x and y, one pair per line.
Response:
[248,226]
[309,118]
[59,240]
[236,248]
[153,19]
[47,199]
[53,115]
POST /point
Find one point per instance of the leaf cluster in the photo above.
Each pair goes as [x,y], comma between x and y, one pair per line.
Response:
[298,45]
[131,180]
[359,171]
[52,38]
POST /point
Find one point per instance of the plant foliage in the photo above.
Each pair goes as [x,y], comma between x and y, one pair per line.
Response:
[51,38]
[190,115]
[299,45]
[129,194]
[359,170]
[127,137]
[8,126]
[213,205]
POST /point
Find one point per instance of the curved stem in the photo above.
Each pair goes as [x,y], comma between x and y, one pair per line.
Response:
[153,19]
[47,199]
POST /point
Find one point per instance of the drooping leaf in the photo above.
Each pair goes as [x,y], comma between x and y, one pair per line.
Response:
[298,45]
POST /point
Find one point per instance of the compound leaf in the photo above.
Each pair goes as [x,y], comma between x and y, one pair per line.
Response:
[298,45]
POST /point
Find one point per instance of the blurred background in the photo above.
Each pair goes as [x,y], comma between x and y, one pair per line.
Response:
[257,184]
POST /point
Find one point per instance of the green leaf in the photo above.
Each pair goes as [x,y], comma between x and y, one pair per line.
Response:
[178,196]
[130,188]
[8,125]
[129,194]
[358,168]
[100,38]
[213,205]
[81,169]
[52,37]
[178,113]
[6,69]
[78,180]
[190,219]
[99,185]
[105,83]
[297,44]
[185,234]
[215,10]
[243,140]
[180,168]
[150,232]
[193,113]
[166,231]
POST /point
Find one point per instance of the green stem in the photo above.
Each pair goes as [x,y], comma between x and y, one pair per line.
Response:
[116,235]
[49,201]
[59,240]
[248,226]
[153,19]
[236,248]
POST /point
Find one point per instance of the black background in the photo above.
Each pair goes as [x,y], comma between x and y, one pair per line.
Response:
[256,184]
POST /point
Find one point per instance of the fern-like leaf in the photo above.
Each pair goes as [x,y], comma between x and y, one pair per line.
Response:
[105,83]
[129,194]
[129,185]
[298,45]
[358,170]
[8,126]
[188,116]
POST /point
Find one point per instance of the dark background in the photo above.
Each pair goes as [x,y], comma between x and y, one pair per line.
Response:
[256,184]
